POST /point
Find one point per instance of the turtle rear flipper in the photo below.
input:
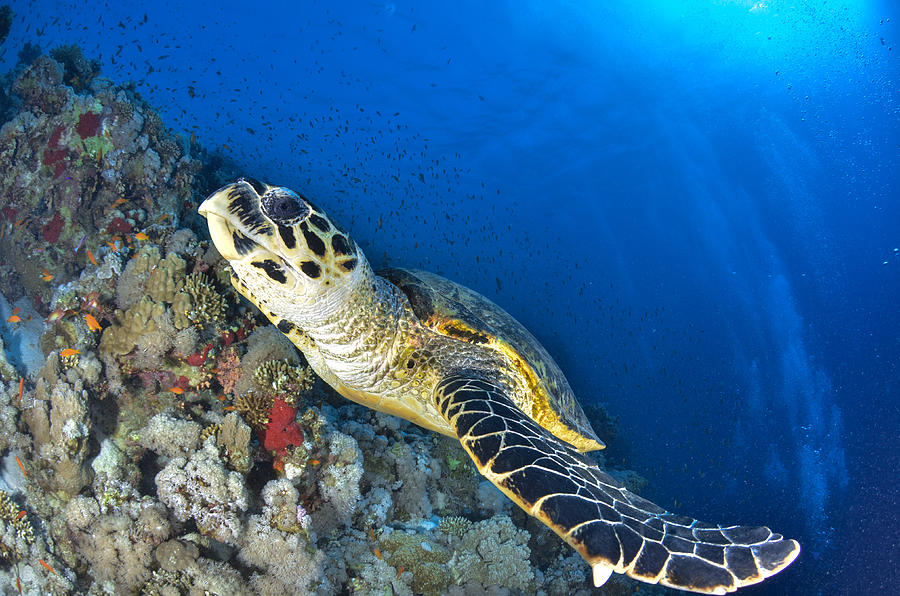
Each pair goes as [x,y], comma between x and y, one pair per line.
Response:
[612,528]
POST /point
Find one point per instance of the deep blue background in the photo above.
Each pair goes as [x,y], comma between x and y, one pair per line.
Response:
[694,204]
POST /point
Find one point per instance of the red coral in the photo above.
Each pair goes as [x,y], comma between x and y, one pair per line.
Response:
[52,156]
[88,124]
[55,136]
[282,430]
[9,213]
[52,230]
[199,359]
[118,226]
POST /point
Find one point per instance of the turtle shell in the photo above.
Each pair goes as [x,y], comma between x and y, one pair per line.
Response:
[456,311]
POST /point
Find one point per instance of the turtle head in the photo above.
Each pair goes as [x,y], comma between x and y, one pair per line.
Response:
[287,256]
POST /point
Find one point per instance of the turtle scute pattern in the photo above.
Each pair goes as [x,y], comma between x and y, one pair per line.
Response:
[613,529]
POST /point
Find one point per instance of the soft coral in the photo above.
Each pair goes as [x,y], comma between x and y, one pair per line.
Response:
[282,430]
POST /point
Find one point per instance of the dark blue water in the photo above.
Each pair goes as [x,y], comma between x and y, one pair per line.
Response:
[693,204]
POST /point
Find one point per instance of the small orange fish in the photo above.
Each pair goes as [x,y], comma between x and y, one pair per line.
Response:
[371,533]
[221,398]
[47,567]
[176,390]
[400,572]
[16,311]
[112,246]
[14,319]
[21,514]
[377,552]
[21,388]
[141,236]
[92,323]
[91,257]
[47,276]
[20,222]
[315,462]
[164,216]
[69,352]
[117,202]
[56,315]
[19,461]
[229,408]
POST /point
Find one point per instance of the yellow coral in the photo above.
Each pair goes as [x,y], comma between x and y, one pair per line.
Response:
[207,304]
[166,278]
[120,338]
[254,408]
[282,376]
[14,545]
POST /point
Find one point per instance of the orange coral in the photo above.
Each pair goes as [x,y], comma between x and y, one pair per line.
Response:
[228,366]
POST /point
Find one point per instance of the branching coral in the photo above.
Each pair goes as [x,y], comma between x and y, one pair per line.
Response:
[254,408]
[207,303]
[283,376]
[493,552]
[455,526]
[17,534]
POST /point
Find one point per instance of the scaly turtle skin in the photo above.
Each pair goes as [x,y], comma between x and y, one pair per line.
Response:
[418,346]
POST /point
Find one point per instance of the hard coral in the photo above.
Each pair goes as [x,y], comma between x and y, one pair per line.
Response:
[207,303]
[16,533]
[284,376]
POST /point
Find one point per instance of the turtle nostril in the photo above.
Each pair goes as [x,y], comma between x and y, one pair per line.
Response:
[258,186]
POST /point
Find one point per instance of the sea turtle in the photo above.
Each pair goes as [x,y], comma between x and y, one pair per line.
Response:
[418,346]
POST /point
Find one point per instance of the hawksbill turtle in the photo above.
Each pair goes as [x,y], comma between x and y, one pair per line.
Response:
[416,345]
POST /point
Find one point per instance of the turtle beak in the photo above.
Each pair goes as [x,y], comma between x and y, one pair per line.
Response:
[215,210]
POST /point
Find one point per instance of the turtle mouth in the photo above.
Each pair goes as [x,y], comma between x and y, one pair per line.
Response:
[234,221]
[221,233]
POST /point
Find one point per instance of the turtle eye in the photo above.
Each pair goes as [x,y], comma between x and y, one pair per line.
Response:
[284,206]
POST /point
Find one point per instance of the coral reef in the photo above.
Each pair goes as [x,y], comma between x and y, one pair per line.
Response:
[90,169]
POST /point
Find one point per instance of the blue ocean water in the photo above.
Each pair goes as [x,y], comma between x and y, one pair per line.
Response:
[693,204]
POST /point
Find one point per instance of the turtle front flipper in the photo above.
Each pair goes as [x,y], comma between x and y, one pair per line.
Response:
[613,529]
